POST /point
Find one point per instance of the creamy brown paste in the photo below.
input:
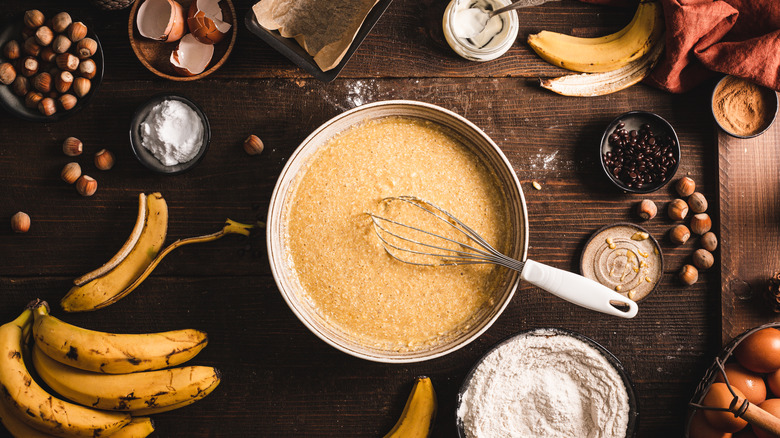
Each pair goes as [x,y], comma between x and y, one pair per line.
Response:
[346,274]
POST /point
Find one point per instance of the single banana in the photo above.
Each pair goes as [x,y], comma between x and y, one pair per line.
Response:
[160,410]
[599,84]
[95,293]
[125,392]
[37,408]
[112,353]
[139,427]
[419,413]
[608,53]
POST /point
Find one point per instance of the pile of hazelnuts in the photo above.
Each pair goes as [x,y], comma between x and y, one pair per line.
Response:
[700,224]
[51,66]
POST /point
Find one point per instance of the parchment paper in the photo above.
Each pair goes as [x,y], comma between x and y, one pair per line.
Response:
[324,28]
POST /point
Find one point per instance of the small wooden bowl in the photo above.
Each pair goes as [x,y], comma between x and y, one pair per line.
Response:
[156,55]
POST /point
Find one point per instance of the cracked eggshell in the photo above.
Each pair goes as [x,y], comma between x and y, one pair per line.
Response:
[161,20]
[191,57]
[205,21]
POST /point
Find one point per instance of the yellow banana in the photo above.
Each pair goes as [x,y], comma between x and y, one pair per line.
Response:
[596,55]
[17,427]
[95,293]
[112,353]
[161,409]
[139,427]
[125,392]
[419,413]
[37,408]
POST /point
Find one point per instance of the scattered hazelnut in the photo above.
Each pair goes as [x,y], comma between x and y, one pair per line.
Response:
[86,48]
[86,185]
[689,275]
[679,234]
[701,223]
[47,107]
[32,99]
[44,36]
[77,31]
[677,210]
[87,68]
[61,44]
[81,86]
[646,209]
[29,66]
[7,73]
[31,47]
[12,50]
[63,81]
[20,222]
[42,82]
[68,101]
[67,61]
[104,159]
[47,55]
[33,18]
[709,241]
[21,86]
[71,172]
[703,259]
[60,22]
[72,146]
[253,145]
[685,186]
[697,202]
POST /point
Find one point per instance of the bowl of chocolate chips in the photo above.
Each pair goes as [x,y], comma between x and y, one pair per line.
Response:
[639,152]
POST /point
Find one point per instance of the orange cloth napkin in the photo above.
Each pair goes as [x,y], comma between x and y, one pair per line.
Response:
[737,37]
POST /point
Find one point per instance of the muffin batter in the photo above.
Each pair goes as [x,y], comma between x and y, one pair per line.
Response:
[340,262]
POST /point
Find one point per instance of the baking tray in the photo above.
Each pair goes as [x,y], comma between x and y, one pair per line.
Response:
[295,53]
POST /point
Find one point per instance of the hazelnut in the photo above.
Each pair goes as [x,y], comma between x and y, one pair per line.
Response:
[47,107]
[77,31]
[679,234]
[63,81]
[33,18]
[703,259]
[61,44]
[68,101]
[104,159]
[32,99]
[646,209]
[67,61]
[7,73]
[701,223]
[21,86]
[27,32]
[86,48]
[86,185]
[44,36]
[71,172]
[60,22]
[42,82]
[47,55]
[20,222]
[12,50]
[689,275]
[697,202]
[31,47]
[253,145]
[87,68]
[81,86]
[29,66]
[709,241]
[677,210]
[72,146]
[685,186]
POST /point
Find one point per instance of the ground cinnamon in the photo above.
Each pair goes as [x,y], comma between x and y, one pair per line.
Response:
[743,108]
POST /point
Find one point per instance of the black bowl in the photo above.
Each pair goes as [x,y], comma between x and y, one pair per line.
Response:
[633,403]
[633,120]
[769,94]
[145,157]
[15,104]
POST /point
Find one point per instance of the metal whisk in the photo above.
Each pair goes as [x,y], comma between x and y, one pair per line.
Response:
[419,246]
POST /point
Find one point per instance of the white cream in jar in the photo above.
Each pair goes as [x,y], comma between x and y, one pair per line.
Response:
[473,34]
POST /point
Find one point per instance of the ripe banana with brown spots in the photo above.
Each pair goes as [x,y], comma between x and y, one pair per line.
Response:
[112,353]
[38,409]
[138,427]
[126,392]
[417,418]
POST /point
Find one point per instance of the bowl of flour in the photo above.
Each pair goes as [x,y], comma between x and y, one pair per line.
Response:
[547,383]
[169,134]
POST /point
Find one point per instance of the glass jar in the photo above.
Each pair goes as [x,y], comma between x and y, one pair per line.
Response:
[497,37]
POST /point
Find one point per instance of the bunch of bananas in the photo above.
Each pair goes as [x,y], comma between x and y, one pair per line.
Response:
[610,63]
[115,380]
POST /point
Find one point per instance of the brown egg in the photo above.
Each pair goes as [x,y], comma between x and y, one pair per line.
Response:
[700,428]
[719,396]
[750,383]
[773,407]
[760,352]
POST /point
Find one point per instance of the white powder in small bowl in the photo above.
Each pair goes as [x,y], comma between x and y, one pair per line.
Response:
[172,132]
[545,385]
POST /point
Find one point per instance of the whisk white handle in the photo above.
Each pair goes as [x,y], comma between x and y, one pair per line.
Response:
[578,289]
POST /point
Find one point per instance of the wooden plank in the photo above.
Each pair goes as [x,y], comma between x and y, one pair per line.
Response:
[749,232]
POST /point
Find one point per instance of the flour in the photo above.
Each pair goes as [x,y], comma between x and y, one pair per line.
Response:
[172,132]
[545,384]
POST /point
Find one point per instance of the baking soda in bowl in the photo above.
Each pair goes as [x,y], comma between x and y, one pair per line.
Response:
[545,384]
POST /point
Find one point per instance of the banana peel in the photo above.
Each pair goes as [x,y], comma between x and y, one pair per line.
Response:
[417,418]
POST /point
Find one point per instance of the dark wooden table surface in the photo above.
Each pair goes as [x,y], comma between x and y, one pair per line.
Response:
[279,379]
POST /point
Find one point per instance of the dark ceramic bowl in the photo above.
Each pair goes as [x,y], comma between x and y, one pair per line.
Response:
[15,104]
[770,97]
[633,415]
[145,157]
[633,120]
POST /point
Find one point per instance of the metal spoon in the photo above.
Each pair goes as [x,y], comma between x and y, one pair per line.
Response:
[481,17]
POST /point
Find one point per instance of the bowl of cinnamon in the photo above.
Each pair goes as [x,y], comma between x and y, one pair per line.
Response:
[742,108]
